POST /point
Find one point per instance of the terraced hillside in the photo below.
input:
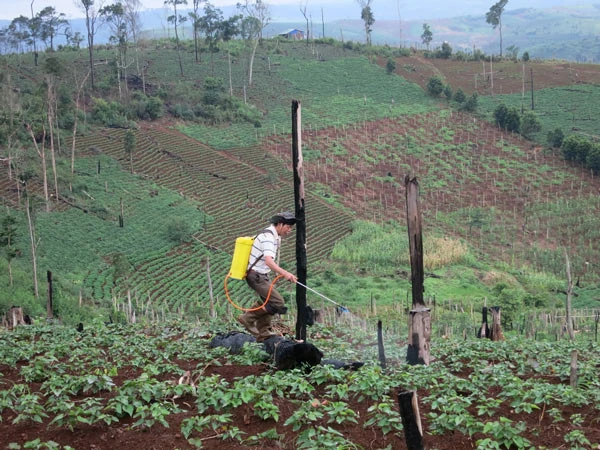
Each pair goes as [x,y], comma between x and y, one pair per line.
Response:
[238,189]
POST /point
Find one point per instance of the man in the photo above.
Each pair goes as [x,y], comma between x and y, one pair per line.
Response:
[263,261]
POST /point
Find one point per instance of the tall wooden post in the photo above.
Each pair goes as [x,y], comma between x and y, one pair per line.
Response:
[301,264]
[419,332]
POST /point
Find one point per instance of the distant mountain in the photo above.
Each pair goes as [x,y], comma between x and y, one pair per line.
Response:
[562,29]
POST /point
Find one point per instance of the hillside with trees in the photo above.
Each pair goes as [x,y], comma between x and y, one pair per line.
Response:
[128,169]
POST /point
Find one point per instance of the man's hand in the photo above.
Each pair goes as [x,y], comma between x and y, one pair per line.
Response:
[289,276]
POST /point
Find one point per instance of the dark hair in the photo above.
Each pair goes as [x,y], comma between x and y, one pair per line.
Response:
[285,217]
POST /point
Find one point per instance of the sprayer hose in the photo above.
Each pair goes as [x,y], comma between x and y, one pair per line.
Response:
[235,305]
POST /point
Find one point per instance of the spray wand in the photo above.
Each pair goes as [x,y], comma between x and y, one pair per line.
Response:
[321,295]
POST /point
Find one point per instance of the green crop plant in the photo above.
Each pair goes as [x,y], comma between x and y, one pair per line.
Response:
[385,416]
[306,414]
[38,444]
[323,437]
[504,434]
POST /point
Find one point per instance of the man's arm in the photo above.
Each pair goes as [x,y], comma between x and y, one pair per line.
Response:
[271,264]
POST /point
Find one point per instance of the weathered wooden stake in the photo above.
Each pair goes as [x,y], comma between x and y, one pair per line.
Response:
[573,375]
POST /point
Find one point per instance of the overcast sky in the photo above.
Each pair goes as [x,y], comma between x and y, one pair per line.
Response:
[9,9]
[383,9]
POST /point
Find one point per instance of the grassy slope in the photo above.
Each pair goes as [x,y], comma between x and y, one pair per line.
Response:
[338,93]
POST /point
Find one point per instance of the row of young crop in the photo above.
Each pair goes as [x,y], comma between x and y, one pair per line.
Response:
[169,280]
[63,384]
[445,188]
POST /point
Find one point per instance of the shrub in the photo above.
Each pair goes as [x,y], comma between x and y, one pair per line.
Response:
[530,124]
[435,86]
[390,66]
[446,51]
[471,104]
[178,230]
[448,92]
[555,138]
[576,148]
[459,96]
[593,158]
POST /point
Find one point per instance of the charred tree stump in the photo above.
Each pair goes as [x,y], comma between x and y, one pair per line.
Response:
[484,331]
[419,333]
[380,345]
[496,332]
[411,421]
[419,336]
[298,165]
[49,310]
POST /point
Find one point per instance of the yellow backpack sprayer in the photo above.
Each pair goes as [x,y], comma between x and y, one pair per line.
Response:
[239,269]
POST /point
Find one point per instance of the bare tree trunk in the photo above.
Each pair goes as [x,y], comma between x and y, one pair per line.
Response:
[51,110]
[42,154]
[33,246]
[251,63]
[75,117]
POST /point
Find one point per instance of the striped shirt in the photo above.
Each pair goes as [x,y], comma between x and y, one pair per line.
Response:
[265,244]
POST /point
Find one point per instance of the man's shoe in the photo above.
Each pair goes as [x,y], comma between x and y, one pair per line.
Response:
[264,337]
[248,324]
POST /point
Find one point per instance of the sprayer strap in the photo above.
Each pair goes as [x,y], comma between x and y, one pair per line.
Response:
[266,230]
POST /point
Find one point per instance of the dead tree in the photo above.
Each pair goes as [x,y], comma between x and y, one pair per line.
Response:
[419,332]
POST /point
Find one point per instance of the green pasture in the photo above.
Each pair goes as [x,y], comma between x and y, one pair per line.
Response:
[332,93]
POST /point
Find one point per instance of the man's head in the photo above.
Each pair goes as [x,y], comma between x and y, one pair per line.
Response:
[283,221]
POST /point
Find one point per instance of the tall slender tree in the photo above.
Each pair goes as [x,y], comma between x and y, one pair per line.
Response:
[427,35]
[92,23]
[52,23]
[303,10]
[195,16]
[366,14]
[494,17]
[177,19]
[256,16]
[115,16]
